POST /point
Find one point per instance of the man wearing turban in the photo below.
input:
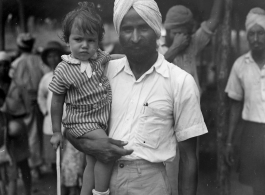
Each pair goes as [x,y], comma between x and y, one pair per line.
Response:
[182,46]
[246,89]
[155,104]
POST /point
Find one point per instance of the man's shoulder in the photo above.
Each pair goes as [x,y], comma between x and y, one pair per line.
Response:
[115,65]
[241,60]
[174,69]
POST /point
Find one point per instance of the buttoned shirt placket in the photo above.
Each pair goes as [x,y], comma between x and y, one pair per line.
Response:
[262,80]
[135,95]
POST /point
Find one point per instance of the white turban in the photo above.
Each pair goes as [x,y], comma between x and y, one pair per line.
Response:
[255,16]
[147,9]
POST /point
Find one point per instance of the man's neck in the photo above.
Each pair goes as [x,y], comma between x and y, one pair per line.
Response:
[259,58]
[140,67]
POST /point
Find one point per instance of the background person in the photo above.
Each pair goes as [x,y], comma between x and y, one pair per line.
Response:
[51,56]
[27,70]
[182,44]
[15,110]
[246,89]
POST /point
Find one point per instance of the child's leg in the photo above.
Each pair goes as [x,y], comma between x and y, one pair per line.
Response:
[102,171]
[88,176]
[102,176]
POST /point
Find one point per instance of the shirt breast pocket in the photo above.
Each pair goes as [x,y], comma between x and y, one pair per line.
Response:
[151,127]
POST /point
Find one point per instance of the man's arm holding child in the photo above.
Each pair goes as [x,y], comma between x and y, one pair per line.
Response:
[105,150]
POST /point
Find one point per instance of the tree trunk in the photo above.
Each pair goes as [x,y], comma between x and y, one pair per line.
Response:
[22,18]
[2,27]
[222,115]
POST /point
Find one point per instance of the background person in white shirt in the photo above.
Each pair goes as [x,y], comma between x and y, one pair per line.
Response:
[155,105]
[246,88]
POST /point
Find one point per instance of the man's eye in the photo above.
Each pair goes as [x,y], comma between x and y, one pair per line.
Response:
[126,29]
[250,33]
[261,33]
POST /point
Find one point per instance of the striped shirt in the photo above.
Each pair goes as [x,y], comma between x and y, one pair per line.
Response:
[88,100]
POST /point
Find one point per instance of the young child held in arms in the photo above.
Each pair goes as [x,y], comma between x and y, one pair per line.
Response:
[80,83]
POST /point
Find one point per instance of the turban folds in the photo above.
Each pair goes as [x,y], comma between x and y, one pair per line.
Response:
[147,9]
[255,16]
[178,15]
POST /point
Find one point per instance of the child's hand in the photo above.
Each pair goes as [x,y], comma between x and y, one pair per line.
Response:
[116,56]
[57,140]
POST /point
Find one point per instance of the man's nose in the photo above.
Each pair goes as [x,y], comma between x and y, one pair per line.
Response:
[136,36]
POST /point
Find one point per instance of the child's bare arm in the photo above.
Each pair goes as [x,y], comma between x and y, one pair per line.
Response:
[56,116]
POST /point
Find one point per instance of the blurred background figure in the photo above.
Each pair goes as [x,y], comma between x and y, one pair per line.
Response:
[72,168]
[182,44]
[27,70]
[15,109]
[51,56]
[246,89]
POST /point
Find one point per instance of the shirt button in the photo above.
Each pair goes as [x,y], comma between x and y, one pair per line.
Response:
[100,84]
[121,165]
[94,73]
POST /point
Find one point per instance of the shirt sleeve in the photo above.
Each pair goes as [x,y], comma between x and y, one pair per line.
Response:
[202,37]
[59,84]
[234,88]
[189,121]
[103,58]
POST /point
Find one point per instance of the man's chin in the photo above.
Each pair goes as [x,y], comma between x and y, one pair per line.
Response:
[136,56]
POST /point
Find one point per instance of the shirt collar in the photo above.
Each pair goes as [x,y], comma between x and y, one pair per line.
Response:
[248,58]
[160,68]
[84,66]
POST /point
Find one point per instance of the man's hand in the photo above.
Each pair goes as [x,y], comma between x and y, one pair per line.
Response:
[181,41]
[105,150]
[229,154]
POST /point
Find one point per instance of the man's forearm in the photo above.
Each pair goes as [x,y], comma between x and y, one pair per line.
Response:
[188,177]
[78,143]
[188,167]
[234,117]
[171,53]
[105,149]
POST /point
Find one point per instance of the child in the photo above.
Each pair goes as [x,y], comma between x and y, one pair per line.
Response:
[79,82]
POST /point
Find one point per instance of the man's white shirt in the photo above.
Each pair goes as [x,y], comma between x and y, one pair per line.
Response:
[154,112]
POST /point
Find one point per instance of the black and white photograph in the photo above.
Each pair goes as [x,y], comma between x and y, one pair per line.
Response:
[132,97]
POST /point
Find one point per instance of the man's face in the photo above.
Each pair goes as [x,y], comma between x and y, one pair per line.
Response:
[256,38]
[137,38]
[176,31]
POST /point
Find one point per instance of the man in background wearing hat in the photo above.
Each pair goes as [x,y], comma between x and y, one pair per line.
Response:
[182,46]
[27,70]
[154,105]
[246,89]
